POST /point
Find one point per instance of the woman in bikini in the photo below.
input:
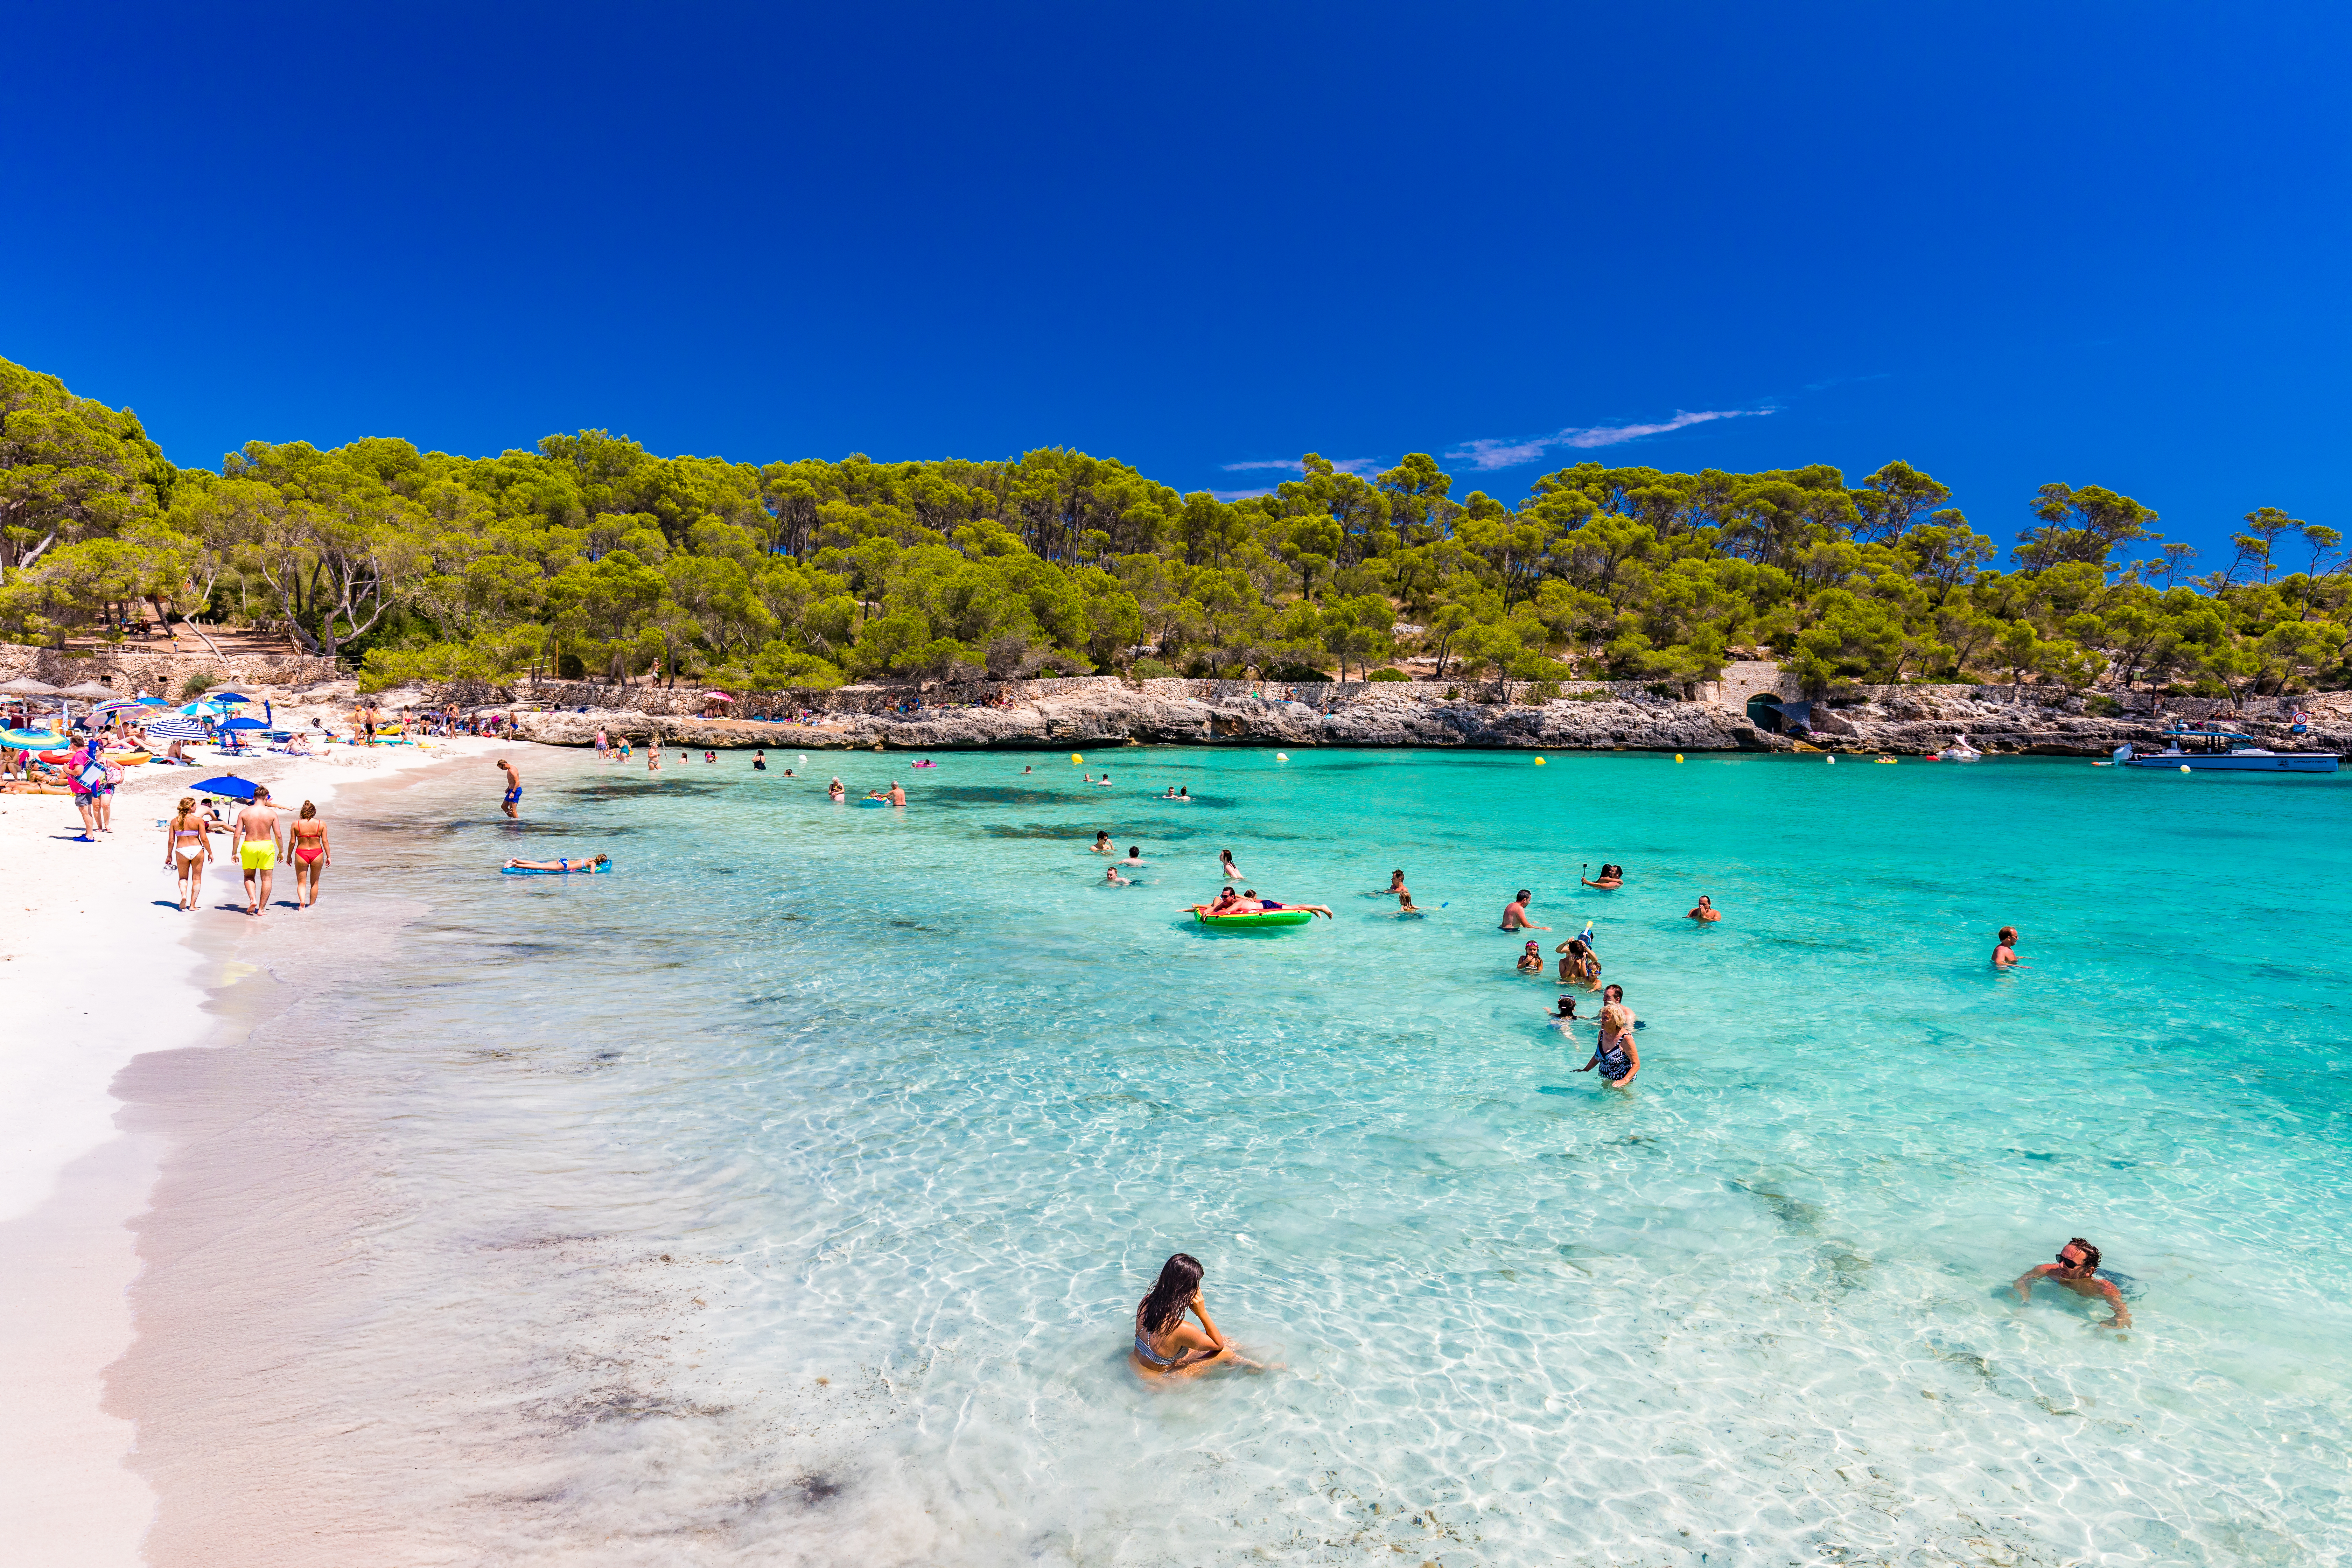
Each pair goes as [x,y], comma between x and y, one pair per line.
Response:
[835,791]
[187,846]
[1165,1344]
[310,856]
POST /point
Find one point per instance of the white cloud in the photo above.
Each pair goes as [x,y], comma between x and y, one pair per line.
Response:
[1239,495]
[1508,454]
[1293,464]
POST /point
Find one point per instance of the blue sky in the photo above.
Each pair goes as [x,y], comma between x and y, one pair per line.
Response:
[2098,243]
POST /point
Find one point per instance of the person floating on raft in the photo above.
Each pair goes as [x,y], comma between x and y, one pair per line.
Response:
[1247,902]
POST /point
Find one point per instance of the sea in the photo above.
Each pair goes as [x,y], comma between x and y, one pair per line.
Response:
[785,1196]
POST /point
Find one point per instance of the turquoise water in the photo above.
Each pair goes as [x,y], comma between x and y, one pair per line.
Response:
[785,1196]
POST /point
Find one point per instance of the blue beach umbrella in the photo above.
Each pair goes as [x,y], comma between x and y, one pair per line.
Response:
[228,785]
[243,724]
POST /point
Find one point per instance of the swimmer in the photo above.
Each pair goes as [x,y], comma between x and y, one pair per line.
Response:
[1616,1055]
[710,756]
[514,787]
[563,865]
[1101,846]
[759,763]
[1407,909]
[1104,781]
[1166,1344]
[1225,866]
[897,797]
[1134,855]
[1249,895]
[835,792]
[2078,1268]
[1515,914]
[1577,964]
[788,772]
[1566,1016]
[1170,795]
[1610,877]
[1706,912]
[1111,876]
[1185,795]
[1396,881]
[1614,996]
[1531,961]
[2004,952]
[1028,770]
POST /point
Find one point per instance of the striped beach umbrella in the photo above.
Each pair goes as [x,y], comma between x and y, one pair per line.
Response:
[174,727]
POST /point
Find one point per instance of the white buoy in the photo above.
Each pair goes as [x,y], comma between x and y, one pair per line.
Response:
[2184,767]
[1833,762]
[1282,756]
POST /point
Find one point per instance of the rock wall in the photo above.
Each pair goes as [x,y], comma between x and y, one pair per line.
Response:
[131,668]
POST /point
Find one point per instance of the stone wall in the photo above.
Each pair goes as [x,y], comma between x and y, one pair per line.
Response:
[130,668]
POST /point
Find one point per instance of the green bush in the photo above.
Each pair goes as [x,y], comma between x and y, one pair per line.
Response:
[1152,669]
[195,685]
[2099,707]
[1542,692]
[569,666]
[1662,689]
[1388,675]
[1298,672]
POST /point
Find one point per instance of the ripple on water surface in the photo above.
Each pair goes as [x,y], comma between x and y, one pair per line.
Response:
[783,1196]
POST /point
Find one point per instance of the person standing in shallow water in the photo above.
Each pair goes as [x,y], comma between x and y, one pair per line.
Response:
[514,788]
[2004,949]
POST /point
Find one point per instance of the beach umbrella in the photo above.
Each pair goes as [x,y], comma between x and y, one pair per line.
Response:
[88,691]
[717,697]
[26,685]
[174,727]
[244,724]
[227,697]
[31,740]
[228,785]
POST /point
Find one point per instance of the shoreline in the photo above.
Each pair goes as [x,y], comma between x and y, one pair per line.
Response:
[110,972]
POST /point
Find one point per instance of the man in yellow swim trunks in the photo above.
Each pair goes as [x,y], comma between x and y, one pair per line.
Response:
[254,838]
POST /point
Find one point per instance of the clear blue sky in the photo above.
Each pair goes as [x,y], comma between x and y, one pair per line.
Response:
[2100,243]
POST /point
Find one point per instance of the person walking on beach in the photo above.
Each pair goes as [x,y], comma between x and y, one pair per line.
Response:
[254,839]
[308,838]
[188,850]
[1515,914]
[514,788]
[2004,950]
[2078,1268]
[1165,1344]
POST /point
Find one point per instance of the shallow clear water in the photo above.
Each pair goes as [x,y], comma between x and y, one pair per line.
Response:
[784,1197]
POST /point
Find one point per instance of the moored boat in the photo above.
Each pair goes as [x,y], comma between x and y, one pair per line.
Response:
[1959,751]
[2221,751]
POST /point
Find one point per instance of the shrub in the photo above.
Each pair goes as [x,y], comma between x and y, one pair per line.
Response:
[1151,669]
[1665,688]
[2099,707]
[1454,694]
[569,666]
[1388,675]
[1298,672]
[1542,692]
[195,685]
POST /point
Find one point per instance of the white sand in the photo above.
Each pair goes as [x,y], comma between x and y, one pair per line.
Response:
[101,966]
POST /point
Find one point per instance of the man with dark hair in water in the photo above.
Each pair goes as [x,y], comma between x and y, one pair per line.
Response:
[2078,1268]
[514,788]
[1515,914]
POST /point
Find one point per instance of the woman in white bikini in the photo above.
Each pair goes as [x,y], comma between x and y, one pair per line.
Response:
[187,846]
[310,856]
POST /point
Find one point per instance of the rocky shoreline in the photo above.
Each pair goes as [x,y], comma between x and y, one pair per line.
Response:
[1908,725]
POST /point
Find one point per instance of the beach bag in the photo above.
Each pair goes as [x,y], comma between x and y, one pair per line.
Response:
[91,778]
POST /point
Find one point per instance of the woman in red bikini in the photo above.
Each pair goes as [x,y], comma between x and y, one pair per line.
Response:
[310,856]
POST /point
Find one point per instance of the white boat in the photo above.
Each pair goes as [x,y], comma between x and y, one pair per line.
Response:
[1959,751]
[2221,751]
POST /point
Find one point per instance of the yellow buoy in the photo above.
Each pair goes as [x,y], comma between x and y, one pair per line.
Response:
[1075,759]
[1678,756]
[1538,761]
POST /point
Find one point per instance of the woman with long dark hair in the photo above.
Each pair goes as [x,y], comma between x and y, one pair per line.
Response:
[1164,1340]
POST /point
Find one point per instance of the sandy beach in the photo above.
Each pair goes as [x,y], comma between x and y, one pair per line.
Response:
[108,969]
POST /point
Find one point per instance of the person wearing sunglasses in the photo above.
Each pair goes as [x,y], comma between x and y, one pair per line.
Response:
[2078,1268]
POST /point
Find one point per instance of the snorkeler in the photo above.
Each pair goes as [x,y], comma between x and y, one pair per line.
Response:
[1706,912]
[1615,1054]
[1531,961]
[1515,914]
[2004,952]
[2078,1268]
[1610,877]
[1577,964]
